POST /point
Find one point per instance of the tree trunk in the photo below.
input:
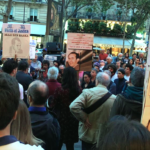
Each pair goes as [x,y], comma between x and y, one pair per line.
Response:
[124,35]
[48,21]
[133,42]
[6,15]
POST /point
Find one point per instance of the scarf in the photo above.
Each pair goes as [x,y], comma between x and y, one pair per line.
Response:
[134,93]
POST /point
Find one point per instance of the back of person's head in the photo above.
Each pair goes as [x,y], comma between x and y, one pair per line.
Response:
[70,81]
[23,65]
[108,72]
[129,66]
[21,127]
[37,93]
[103,78]
[9,99]
[9,66]
[137,77]
[52,73]
[122,134]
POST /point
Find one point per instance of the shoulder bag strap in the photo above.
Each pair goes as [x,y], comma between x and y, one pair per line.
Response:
[97,104]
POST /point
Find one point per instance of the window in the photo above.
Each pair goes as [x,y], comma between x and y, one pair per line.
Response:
[33,14]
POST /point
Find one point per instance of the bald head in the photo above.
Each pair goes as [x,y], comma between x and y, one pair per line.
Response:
[38,93]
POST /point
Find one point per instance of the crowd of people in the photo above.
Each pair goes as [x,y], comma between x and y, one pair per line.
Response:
[44,107]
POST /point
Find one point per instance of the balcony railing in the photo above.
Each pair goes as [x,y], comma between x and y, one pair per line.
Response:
[100,16]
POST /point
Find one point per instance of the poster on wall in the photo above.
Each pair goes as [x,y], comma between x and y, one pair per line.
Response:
[145,120]
[16,40]
[79,51]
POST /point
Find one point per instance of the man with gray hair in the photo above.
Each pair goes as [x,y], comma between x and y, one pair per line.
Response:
[108,61]
[52,83]
[129,103]
[120,58]
[44,125]
[91,124]
[112,86]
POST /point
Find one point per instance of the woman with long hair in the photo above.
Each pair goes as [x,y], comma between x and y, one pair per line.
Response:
[21,127]
[63,97]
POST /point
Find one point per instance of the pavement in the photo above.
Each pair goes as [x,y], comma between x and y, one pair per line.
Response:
[77,146]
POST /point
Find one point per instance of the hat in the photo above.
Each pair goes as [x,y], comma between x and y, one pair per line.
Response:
[122,70]
[96,64]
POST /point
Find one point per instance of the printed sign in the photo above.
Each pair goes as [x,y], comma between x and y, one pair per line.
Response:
[16,39]
[32,49]
[50,58]
[79,51]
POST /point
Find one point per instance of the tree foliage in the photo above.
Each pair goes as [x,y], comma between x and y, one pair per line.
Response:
[140,12]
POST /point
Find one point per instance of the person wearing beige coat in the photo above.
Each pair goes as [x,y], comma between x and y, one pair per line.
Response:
[90,125]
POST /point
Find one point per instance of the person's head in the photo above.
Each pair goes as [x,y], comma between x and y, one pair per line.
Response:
[16,44]
[96,65]
[121,73]
[103,78]
[45,64]
[112,68]
[137,61]
[134,57]
[94,73]
[87,77]
[102,63]
[126,55]
[21,127]
[29,61]
[131,62]
[118,64]
[23,66]
[141,65]
[36,57]
[123,134]
[137,77]
[109,60]
[120,56]
[70,82]
[108,51]
[141,55]
[73,59]
[37,93]
[128,69]
[123,65]
[102,51]
[10,67]
[52,73]
[108,72]
[9,100]
[94,54]
[56,63]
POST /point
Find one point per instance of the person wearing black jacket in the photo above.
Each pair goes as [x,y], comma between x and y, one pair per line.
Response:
[120,82]
[23,77]
[130,102]
[87,83]
[44,125]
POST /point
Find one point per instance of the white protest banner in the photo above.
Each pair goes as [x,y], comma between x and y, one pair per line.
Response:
[50,58]
[16,40]
[79,51]
[32,49]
